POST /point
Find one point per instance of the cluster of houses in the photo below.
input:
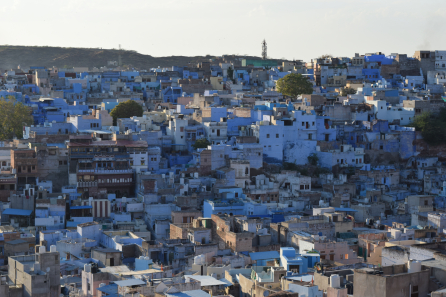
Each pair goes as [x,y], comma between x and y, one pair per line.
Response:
[225,186]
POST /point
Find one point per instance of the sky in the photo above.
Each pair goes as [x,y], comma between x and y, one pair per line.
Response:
[293,29]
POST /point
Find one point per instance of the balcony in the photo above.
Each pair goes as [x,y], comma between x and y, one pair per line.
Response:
[91,184]
[106,171]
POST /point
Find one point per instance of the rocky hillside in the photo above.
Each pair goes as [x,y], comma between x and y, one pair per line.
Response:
[12,56]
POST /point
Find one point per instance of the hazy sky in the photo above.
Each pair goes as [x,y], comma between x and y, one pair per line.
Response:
[293,29]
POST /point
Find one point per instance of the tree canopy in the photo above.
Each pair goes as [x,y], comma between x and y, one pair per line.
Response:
[13,117]
[432,126]
[294,84]
[126,109]
[347,91]
[201,143]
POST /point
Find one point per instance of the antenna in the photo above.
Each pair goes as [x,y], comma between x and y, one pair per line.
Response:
[119,56]
[264,49]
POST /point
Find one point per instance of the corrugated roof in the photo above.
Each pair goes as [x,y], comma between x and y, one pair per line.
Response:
[17,212]
[206,280]
[109,289]
[264,255]
[193,293]
[130,282]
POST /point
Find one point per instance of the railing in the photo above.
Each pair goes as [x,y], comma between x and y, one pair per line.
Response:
[87,184]
[105,171]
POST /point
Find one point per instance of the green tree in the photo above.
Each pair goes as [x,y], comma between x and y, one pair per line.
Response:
[432,126]
[201,143]
[313,159]
[347,91]
[126,109]
[13,117]
[294,84]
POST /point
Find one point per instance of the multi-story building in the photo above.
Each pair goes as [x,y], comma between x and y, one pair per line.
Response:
[37,275]
[103,167]
[24,161]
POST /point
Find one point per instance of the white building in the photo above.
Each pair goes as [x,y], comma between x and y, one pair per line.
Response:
[440,60]
[437,220]
[392,113]
[344,157]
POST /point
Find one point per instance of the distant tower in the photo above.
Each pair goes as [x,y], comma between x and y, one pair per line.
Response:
[264,49]
[119,57]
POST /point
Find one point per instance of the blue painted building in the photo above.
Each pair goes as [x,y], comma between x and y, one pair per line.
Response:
[372,75]
[171,94]
[190,74]
[262,258]
[230,202]
[292,261]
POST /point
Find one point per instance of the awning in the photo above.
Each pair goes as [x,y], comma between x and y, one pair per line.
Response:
[81,207]
[17,212]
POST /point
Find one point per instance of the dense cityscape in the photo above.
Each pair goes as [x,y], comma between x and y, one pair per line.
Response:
[235,176]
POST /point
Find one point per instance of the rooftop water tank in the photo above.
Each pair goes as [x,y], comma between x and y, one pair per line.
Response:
[335,281]
[414,266]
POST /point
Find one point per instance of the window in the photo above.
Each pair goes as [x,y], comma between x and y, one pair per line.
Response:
[143,162]
[277,135]
[267,135]
[60,163]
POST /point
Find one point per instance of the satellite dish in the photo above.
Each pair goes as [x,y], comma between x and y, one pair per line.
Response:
[266,293]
